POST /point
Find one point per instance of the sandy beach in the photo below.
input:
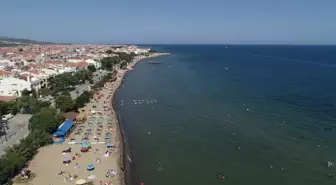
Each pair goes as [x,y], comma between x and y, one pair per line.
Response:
[104,135]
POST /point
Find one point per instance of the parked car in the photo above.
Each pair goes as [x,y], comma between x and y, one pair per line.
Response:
[7,117]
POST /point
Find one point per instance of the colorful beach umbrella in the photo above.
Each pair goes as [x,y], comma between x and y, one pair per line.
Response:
[85,145]
[90,167]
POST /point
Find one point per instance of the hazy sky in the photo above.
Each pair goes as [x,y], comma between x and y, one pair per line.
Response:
[171,21]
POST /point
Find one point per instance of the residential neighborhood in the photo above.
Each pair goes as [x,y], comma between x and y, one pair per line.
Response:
[34,66]
[43,72]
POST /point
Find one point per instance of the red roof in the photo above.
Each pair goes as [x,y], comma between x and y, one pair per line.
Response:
[7,98]
[34,71]
[82,64]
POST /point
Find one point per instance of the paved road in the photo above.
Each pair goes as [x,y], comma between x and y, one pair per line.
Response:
[85,87]
[18,129]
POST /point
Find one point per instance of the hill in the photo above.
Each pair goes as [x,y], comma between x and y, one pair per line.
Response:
[9,41]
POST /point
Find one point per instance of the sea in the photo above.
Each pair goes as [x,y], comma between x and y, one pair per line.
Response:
[231,114]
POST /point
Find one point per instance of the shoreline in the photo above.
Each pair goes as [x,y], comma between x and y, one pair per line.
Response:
[127,177]
[118,159]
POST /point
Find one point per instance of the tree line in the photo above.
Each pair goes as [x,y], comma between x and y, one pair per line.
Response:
[41,125]
[119,58]
[46,120]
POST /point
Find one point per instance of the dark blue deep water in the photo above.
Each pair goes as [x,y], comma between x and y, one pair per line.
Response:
[259,115]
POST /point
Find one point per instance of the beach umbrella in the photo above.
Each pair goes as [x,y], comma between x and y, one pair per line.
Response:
[107,134]
[90,167]
[85,145]
[85,139]
[80,181]
[66,159]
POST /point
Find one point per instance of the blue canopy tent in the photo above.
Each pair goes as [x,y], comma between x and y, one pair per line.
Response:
[63,131]
[67,126]
[59,133]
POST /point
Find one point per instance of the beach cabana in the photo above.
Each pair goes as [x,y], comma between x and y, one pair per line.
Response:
[63,131]
[81,117]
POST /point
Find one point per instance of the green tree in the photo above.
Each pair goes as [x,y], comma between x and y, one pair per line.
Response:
[65,93]
[44,92]
[123,65]
[64,81]
[82,75]
[92,68]
[126,57]
[38,139]
[83,98]
[4,108]
[108,62]
[25,92]
[109,51]
[28,101]
[45,120]
[64,103]
[33,93]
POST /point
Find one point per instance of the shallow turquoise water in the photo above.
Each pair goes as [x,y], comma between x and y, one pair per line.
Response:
[274,105]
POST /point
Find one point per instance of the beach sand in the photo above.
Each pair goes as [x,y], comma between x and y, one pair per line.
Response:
[48,163]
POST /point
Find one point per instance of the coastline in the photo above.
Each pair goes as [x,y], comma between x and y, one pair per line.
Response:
[127,177]
[48,171]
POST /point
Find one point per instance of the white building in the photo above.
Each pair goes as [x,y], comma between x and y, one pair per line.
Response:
[75,60]
[97,64]
[13,86]
[5,64]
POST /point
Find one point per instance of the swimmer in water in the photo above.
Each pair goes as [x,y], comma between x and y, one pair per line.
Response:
[222,177]
[160,167]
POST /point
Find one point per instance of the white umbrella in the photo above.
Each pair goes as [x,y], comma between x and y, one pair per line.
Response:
[81,181]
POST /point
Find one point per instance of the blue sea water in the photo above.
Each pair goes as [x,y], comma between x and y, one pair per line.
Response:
[256,114]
